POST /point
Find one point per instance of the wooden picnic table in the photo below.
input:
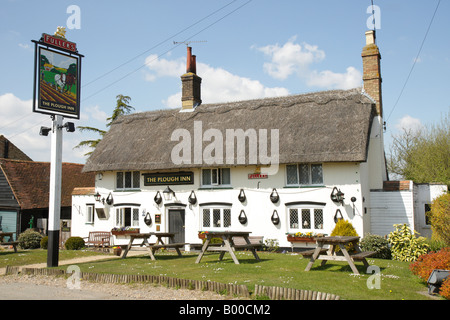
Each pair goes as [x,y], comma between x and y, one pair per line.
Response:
[334,242]
[10,241]
[152,247]
[228,244]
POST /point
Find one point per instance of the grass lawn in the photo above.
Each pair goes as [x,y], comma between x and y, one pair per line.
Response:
[274,269]
[24,257]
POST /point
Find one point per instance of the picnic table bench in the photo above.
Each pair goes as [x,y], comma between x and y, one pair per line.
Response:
[335,242]
[152,247]
[228,244]
[9,242]
[241,244]
[98,239]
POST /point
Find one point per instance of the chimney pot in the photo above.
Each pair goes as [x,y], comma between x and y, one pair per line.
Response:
[189,60]
[370,37]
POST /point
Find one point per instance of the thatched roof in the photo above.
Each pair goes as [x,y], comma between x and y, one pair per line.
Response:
[328,126]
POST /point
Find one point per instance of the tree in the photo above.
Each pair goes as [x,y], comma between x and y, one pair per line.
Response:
[122,108]
[423,155]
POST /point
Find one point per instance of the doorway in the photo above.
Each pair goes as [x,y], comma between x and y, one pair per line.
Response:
[176,224]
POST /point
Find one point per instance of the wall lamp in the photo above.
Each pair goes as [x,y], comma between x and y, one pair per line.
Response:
[157,198]
[337,195]
[192,198]
[98,197]
[168,194]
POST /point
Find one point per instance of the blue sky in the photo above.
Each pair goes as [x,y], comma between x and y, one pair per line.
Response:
[251,49]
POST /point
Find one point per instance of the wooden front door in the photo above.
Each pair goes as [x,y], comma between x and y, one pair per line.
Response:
[176,224]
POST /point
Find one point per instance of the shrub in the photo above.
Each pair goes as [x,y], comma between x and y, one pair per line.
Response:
[29,239]
[271,245]
[426,263]
[373,242]
[445,289]
[44,242]
[74,243]
[344,228]
[405,246]
[440,219]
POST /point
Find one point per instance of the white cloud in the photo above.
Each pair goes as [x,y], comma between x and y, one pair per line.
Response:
[409,123]
[329,79]
[293,58]
[218,85]
[290,58]
[96,113]
[21,126]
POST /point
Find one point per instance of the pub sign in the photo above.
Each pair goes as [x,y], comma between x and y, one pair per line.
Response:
[170,178]
[57,78]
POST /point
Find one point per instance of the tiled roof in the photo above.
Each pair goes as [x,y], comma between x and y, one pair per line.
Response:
[30,181]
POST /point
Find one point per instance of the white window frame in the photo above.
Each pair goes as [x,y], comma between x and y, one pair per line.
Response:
[300,227]
[120,216]
[309,168]
[219,177]
[213,225]
[90,211]
[135,180]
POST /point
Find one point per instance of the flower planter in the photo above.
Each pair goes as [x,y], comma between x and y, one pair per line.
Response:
[301,239]
[202,236]
[117,251]
[123,232]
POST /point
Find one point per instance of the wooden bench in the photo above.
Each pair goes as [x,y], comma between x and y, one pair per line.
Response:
[309,253]
[11,243]
[169,245]
[98,239]
[362,255]
[255,242]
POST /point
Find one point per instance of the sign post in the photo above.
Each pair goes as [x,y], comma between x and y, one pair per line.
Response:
[54,210]
[57,74]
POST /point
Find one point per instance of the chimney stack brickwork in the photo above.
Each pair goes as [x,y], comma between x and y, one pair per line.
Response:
[372,70]
[191,84]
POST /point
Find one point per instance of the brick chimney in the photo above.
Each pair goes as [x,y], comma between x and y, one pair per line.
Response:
[371,70]
[191,83]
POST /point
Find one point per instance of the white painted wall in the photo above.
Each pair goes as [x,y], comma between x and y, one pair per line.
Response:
[389,208]
[425,194]
[258,207]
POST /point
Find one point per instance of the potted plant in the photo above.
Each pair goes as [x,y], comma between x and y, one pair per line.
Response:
[119,231]
[117,250]
[202,234]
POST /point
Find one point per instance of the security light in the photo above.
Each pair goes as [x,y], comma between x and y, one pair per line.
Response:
[44,131]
